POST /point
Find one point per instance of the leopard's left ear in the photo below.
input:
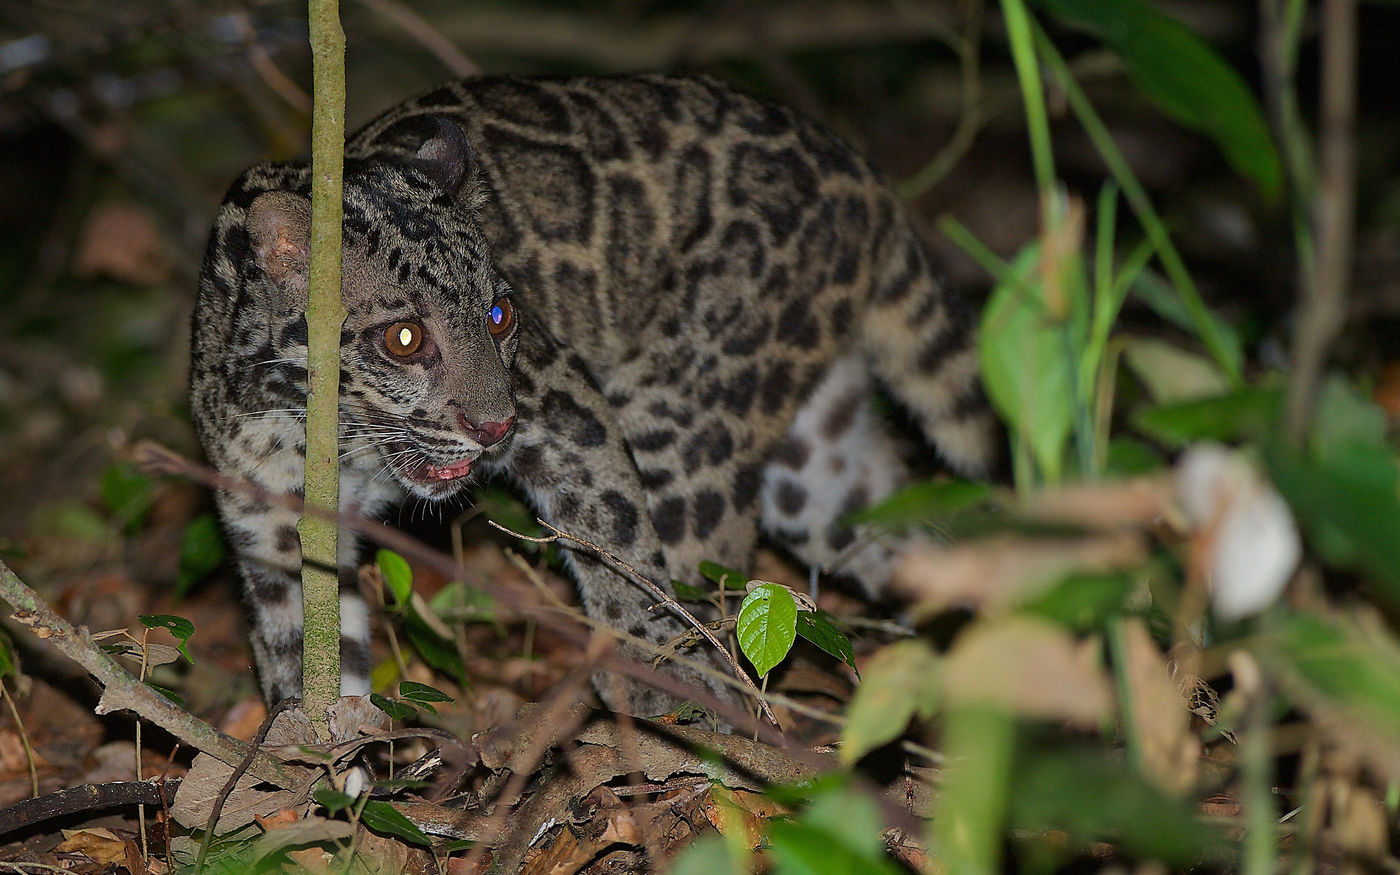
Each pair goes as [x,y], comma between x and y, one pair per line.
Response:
[446,157]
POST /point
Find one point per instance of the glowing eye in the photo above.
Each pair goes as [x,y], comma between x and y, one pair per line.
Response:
[500,317]
[403,338]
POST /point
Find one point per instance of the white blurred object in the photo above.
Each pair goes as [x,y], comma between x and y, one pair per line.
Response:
[1251,543]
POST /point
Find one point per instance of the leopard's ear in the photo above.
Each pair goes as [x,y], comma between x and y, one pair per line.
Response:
[446,157]
[279,226]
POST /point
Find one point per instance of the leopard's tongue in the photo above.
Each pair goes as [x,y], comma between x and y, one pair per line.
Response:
[450,472]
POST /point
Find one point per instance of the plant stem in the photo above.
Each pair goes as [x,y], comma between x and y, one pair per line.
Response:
[325,313]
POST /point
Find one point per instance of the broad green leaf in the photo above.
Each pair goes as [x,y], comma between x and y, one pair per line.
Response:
[1345,418]
[1349,505]
[332,800]
[1082,601]
[1184,77]
[1172,374]
[849,816]
[385,818]
[921,504]
[767,626]
[438,652]
[461,602]
[395,710]
[816,627]
[178,627]
[1345,672]
[398,576]
[1128,457]
[901,679]
[707,855]
[127,494]
[201,551]
[1025,361]
[801,848]
[1237,415]
[1094,796]
[723,575]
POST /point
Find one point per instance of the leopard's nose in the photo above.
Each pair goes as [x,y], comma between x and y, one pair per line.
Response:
[486,433]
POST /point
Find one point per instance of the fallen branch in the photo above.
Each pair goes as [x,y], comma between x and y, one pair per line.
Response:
[87,797]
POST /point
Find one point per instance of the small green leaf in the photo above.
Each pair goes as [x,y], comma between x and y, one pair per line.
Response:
[926,503]
[1082,601]
[1167,302]
[385,818]
[438,652]
[1129,457]
[179,627]
[901,679]
[816,627]
[839,833]
[167,693]
[1345,418]
[707,855]
[201,551]
[767,626]
[9,665]
[398,576]
[332,800]
[725,577]
[1247,412]
[395,710]
[1025,361]
[461,602]
[689,592]
[422,694]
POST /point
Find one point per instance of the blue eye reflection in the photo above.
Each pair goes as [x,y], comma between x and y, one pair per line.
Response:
[497,314]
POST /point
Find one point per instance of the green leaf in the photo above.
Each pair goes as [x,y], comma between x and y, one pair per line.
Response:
[1234,416]
[178,627]
[767,626]
[806,849]
[816,627]
[1094,796]
[1082,601]
[438,652]
[127,494]
[9,665]
[332,800]
[1172,374]
[461,602]
[422,695]
[1129,457]
[385,818]
[1349,505]
[422,692]
[1184,77]
[1345,418]
[201,551]
[850,817]
[1345,672]
[707,855]
[901,680]
[1025,363]
[168,693]
[722,575]
[398,576]
[395,710]
[1170,304]
[969,822]
[689,592]
[926,503]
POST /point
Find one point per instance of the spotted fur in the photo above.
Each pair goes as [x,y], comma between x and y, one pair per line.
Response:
[707,287]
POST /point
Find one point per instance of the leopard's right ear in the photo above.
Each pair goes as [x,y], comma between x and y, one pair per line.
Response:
[446,157]
[279,226]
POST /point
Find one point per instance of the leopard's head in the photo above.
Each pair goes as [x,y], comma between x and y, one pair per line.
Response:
[430,330]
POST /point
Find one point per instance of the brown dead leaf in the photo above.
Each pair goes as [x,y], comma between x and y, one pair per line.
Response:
[121,241]
[740,812]
[1029,667]
[1140,501]
[1159,713]
[103,846]
[999,572]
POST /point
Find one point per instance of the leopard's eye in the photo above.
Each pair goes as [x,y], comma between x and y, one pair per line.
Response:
[500,317]
[403,338]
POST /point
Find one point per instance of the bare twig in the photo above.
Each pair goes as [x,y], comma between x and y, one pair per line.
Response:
[664,599]
[233,780]
[426,34]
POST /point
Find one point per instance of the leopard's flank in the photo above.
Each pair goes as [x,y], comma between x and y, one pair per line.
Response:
[657,306]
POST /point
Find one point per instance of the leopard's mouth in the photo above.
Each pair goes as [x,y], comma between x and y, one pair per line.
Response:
[427,474]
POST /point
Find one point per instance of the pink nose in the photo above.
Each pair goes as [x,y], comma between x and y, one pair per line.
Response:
[487,433]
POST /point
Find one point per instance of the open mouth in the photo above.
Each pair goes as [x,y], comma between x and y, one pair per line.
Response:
[426,472]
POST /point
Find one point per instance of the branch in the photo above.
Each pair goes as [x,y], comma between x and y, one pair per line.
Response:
[325,313]
[121,691]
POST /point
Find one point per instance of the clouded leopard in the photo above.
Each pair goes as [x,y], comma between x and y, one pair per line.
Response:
[657,306]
